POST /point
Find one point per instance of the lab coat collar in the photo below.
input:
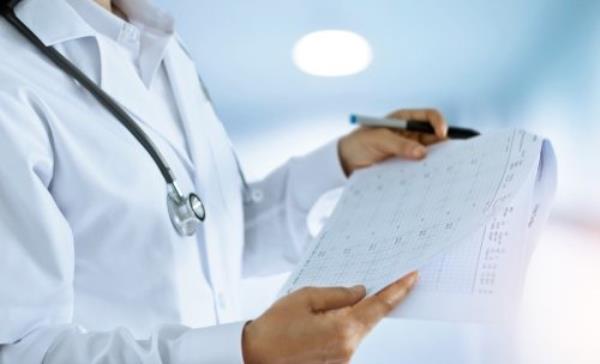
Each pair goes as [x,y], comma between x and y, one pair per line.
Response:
[179,68]
[98,18]
[56,21]
[155,29]
[53,21]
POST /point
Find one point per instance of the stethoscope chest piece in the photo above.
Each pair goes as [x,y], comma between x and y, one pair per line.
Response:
[197,206]
[186,212]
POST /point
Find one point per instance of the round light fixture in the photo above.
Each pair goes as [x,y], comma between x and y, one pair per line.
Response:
[332,53]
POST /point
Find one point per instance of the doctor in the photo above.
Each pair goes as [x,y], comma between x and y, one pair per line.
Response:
[92,269]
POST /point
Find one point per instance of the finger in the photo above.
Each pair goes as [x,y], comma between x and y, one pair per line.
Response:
[372,309]
[331,298]
[423,139]
[433,116]
[428,139]
[393,144]
[412,114]
[439,124]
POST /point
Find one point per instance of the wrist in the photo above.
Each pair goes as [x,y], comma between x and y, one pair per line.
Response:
[247,349]
[341,146]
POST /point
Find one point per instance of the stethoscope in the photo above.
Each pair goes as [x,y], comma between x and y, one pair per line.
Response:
[186,212]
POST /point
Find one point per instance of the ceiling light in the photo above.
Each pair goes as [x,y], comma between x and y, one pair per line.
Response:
[332,53]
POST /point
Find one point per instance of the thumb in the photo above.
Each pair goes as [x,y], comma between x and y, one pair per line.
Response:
[331,298]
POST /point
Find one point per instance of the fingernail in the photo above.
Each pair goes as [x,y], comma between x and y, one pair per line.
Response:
[418,152]
[414,276]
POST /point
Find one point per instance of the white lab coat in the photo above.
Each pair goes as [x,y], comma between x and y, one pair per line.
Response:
[91,269]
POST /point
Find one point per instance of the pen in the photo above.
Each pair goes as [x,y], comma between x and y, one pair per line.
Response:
[411,125]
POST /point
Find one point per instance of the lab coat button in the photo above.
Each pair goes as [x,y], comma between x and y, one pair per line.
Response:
[129,34]
[257,195]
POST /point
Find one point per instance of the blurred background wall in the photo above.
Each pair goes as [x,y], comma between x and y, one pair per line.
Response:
[531,64]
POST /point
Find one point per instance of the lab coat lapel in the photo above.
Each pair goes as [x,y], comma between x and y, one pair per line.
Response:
[223,228]
[129,91]
[190,101]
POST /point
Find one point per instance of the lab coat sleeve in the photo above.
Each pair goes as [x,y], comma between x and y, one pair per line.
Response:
[276,229]
[170,344]
[37,267]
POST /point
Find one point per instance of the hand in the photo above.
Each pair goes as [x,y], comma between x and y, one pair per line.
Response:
[367,145]
[319,325]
